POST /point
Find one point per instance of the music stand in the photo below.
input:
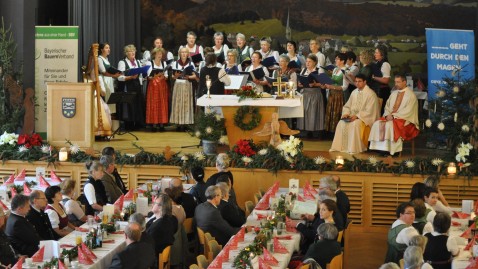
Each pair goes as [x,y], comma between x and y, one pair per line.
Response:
[121,98]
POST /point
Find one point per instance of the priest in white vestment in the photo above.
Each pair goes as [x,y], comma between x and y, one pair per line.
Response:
[399,121]
[358,115]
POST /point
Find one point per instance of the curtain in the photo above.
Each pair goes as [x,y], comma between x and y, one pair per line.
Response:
[114,21]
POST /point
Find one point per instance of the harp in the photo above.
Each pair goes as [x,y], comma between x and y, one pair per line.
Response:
[102,119]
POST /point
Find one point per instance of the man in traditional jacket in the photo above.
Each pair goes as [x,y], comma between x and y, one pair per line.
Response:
[358,115]
[399,121]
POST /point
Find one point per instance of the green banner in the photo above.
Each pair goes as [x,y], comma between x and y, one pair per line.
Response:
[56,32]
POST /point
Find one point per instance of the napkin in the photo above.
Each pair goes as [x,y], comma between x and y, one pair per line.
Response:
[61,265]
[460,215]
[269,258]
[308,195]
[300,198]
[21,176]
[262,205]
[19,264]
[43,182]
[263,264]
[38,256]
[455,223]
[13,191]
[26,190]
[10,180]
[473,264]
[284,237]
[278,247]
[467,233]
[88,252]
[4,206]
[216,263]
[83,258]
[241,233]
[66,246]
[290,225]
[225,253]
[119,203]
[54,177]
[129,195]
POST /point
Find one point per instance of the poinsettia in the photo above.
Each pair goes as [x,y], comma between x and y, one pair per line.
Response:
[244,147]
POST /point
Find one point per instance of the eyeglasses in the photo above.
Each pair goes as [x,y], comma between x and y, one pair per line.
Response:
[409,213]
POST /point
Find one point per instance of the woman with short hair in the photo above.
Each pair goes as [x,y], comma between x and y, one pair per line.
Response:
[216,75]
[230,66]
[157,94]
[220,49]
[326,247]
[413,259]
[56,213]
[163,225]
[440,247]
[244,52]
[261,84]
[72,207]
[191,46]
[293,56]
[94,190]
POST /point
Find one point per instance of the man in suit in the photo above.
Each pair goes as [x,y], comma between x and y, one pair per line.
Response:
[19,230]
[136,255]
[7,253]
[39,218]
[229,212]
[110,151]
[186,199]
[209,219]
[113,192]
[139,219]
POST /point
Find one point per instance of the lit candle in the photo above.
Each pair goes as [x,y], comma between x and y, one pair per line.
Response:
[63,155]
[451,169]
[339,160]
[456,116]
[208,85]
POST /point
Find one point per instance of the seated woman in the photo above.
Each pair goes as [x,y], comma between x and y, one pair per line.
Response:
[328,213]
[440,247]
[178,210]
[198,190]
[56,212]
[94,190]
[163,225]
[222,166]
[217,76]
[413,259]
[441,205]
[326,247]
[418,191]
[420,223]
[72,208]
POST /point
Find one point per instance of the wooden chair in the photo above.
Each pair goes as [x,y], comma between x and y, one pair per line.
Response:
[188,225]
[305,266]
[262,192]
[257,198]
[402,264]
[164,258]
[336,262]
[193,266]
[249,206]
[339,236]
[202,262]
[214,249]
[202,239]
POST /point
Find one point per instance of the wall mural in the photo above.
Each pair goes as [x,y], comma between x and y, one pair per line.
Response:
[340,24]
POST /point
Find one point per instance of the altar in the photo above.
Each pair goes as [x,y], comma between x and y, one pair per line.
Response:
[227,105]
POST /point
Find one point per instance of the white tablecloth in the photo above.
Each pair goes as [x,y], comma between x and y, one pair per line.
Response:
[288,108]
[462,260]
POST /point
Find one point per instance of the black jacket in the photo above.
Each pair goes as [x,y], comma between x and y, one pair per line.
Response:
[233,215]
[42,224]
[136,255]
[7,254]
[162,231]
[22,235]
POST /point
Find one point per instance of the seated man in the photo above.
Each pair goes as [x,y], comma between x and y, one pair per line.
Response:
[358,115]
[230,212]
[39,218]
[111,152]
[209,219]
[399,121]
[137,254]
[20,231]
[400,233]
[186,200]
[7,253]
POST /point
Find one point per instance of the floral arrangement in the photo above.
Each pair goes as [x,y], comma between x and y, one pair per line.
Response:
[290,148]
[8,139]
[244,147]
[26,148]
[109,227]
[247,91]
[208,125]
[243,259]
[70,253]
[29,140]
[463,152]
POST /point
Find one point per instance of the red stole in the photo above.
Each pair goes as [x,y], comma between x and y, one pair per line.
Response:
[407,132]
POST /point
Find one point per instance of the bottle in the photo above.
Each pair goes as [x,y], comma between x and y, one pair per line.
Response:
[99,239]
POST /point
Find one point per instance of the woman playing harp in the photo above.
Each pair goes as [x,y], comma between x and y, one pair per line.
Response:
[102,115]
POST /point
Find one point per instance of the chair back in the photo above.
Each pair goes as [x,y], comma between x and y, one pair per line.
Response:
[402,264]
[339,236]
[202,262]
[188,225]
[164,258]
[214,249]
[336,262]
[257,197]
[207,239]
[305,266]
[249,206]
[202,239]
[193,266]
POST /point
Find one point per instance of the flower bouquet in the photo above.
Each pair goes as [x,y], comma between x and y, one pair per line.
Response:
[247,91]
[208,126]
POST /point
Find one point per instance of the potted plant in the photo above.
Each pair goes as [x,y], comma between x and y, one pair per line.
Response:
[209,127]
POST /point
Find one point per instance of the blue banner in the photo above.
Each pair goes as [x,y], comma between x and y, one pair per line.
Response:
[449,52]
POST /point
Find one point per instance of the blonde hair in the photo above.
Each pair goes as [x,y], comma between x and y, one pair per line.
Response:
[67,186]
[129,48]
[156,50]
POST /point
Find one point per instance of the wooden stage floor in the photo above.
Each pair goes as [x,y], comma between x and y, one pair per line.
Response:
[183,142]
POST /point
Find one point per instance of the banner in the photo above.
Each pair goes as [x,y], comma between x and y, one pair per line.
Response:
[56,60]
[449,51]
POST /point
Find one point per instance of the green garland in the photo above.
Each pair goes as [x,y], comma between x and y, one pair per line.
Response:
[242,112]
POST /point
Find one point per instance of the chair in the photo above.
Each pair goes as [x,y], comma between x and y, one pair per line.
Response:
[193,266]
[262,192]
[257,198]
[336,262]
[214,249]
[412,142]
[249,206]
[202,262]
[305,266]
[188,225]
[339,236]
[402,264]
[164,258]
[202,240]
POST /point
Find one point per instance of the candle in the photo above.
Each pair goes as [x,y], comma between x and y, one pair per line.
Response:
[456,116]
[435,109]
[63,155]
[339,160]
[451,169]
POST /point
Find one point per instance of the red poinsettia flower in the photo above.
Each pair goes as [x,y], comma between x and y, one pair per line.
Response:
[36,140]
[22,139]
